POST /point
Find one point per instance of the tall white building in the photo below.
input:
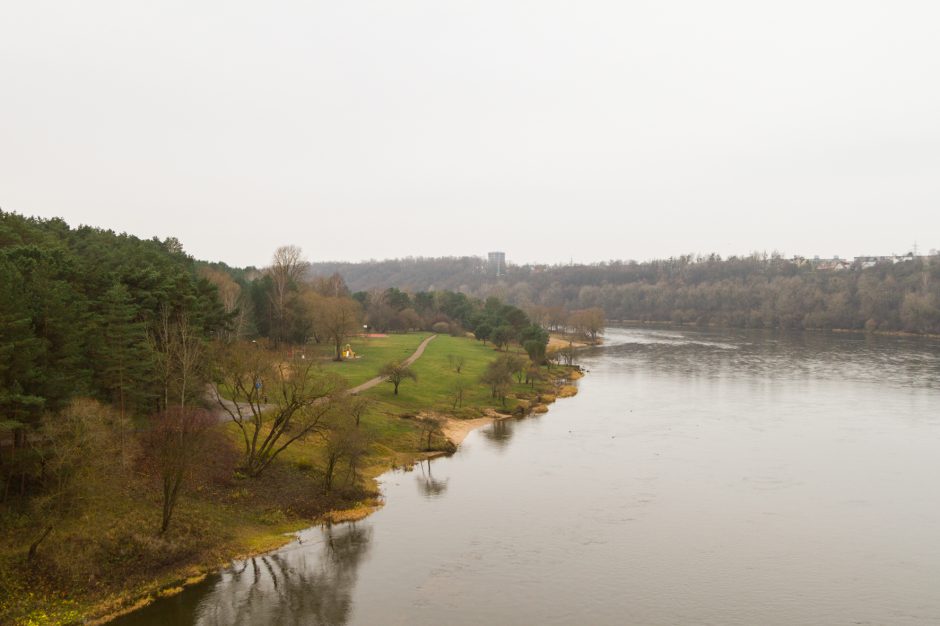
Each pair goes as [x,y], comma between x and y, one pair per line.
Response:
[497,263]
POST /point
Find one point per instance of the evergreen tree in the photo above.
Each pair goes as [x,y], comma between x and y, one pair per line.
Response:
[124,365]
[20,351]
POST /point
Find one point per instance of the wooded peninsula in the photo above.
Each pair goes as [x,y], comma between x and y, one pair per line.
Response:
[160,416]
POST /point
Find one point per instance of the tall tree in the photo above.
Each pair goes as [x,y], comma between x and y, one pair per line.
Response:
[501,336]
[431,425]
[343,441]
[498,377]
[124,367]
[20,352]
[232,299]
[175,442]
[300,396]
[338,318]
[589,322]
[287,268]
[332,286]
[180,354]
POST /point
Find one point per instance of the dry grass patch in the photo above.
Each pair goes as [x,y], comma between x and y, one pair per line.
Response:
[567,391]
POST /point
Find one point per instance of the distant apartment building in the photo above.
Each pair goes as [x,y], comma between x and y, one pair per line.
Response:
[496,263]
[865,262]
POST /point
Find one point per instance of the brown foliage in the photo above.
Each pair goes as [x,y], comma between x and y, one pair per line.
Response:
[174,443]
[337,319]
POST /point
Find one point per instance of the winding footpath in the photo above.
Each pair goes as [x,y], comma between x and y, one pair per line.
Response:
[369,384]
[222,414]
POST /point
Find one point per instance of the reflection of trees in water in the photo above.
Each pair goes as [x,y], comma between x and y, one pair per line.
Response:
[302,585]
[430,486]
[499,433]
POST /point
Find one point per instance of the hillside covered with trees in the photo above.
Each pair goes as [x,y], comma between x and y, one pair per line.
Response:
[159,413]
[87,312]
[757,291]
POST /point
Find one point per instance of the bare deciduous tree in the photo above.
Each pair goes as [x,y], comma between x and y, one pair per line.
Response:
[233,300]
[78,446]
[430,425]
[498,376]
[395,373]
[534,374]
[287,268]
[180,354]
[343,442]
[456,362]
[81,457]
[338,318]
[589,322]
[357,406]
[311,302]
[460,387]
[301,395]
[174,443]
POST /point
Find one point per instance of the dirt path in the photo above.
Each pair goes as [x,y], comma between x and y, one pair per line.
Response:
[222,412]
[369,384]
[223,415]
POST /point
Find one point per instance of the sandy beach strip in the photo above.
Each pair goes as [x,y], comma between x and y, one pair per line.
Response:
[457,430]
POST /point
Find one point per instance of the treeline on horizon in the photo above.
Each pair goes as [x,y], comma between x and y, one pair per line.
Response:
[756,291]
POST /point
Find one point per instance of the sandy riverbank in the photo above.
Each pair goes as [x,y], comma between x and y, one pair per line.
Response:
[559,342]
[457,430]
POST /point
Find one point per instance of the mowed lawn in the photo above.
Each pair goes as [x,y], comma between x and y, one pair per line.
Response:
[395,439]
[373,353]
[436,384]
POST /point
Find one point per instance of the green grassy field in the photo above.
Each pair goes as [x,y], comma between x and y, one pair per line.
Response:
[396,437]
[373,353]
[435,387]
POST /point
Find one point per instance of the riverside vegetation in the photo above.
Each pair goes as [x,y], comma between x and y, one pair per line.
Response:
[160,416]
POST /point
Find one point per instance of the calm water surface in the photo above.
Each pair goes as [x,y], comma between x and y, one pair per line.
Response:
[698,478]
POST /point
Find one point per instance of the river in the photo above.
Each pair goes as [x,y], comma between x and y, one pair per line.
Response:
[697,478]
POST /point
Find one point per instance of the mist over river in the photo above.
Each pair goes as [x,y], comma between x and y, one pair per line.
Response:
[714,477]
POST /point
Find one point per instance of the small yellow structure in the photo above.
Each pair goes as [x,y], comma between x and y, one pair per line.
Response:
[348,352]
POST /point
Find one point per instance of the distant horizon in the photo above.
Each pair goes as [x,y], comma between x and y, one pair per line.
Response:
[922,251]
[556,131]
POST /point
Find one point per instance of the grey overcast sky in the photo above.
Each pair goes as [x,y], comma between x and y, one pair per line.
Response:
[553,130]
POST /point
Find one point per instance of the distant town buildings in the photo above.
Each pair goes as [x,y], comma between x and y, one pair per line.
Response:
[836,264]
[496,263]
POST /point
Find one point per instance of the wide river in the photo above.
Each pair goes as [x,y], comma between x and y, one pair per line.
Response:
[698,478]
